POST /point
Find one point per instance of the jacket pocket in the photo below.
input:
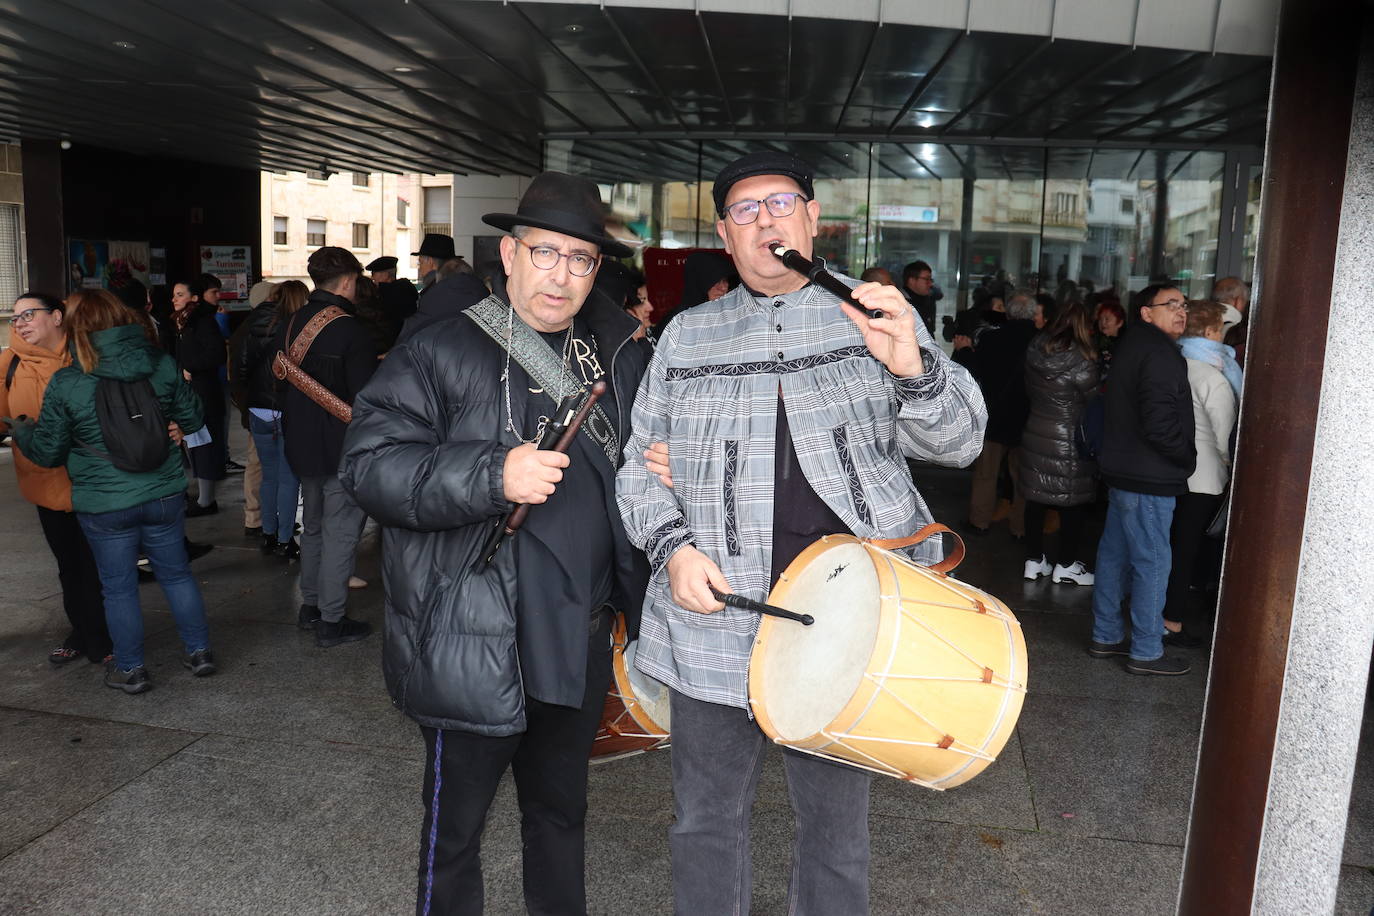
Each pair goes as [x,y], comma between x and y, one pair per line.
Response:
[728,482]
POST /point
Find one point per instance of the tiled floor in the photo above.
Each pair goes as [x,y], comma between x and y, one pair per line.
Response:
[288,784]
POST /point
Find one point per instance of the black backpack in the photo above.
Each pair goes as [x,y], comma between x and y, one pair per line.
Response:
[132,425]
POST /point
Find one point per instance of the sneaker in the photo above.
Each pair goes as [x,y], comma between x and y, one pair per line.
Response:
[308,616]
[135,680]
[289,550]
[200,663]
[1036,568]
[63,654]
[1077,574]
[195,510]
[345,629]
[1108,649]
[233,467]
[1164,665]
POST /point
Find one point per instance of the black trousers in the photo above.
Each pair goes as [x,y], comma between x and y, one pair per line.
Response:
[550,762]
[81,597]
[1071,521]
[1193,512]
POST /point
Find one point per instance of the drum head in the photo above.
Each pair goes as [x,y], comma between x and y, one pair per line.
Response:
[809,674]
[651,694]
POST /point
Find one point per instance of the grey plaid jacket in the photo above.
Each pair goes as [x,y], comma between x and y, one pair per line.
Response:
[711,392]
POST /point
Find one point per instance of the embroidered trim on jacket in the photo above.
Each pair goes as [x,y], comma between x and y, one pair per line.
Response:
[768,367]
[731,526]
[665,540]
[851,475]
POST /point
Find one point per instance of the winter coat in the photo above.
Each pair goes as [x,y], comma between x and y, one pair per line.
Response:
[1147,443]
[200,350]
[400,299]
[1058,386]
[253,360]
[425,455]
[69,419]
[997,362]
[50,488]
[1214,413]
[342,359]
[442,301]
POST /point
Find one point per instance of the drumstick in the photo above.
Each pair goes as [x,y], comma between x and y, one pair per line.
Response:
[758,607]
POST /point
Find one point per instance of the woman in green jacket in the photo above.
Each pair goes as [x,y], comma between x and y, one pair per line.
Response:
[122,511]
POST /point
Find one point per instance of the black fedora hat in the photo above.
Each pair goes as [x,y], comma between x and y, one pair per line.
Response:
[565,204]
[437,246]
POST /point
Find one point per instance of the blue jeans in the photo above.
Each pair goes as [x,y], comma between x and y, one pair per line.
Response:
[717,758]
[280,490]
[1134,549]
[159,527]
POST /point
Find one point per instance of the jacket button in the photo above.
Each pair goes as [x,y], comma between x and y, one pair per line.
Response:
[780,355]
[778,303]
[779,329]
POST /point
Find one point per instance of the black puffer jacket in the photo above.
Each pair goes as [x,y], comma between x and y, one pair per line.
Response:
[1148,443]
[1058,386]
[442,301]
[425,456]
[201,351]
[253,361]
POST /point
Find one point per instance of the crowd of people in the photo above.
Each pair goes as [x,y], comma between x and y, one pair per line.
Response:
[759,416]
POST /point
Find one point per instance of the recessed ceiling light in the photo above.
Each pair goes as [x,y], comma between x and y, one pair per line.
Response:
[124,45]
[402,69]
[574,28]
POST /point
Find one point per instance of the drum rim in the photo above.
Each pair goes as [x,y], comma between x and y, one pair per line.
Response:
[620,639]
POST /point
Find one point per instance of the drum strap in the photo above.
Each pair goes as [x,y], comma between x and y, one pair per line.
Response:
[955,557]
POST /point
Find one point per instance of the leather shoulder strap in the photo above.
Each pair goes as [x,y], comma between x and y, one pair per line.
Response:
[955,557]
[301,345]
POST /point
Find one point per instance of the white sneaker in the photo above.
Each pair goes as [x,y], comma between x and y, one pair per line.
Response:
[1037,568]
[1077,574]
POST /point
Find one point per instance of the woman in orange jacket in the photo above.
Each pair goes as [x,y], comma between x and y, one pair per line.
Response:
[38,348]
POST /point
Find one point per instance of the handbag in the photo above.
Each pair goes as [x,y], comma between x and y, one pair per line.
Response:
[1217,527]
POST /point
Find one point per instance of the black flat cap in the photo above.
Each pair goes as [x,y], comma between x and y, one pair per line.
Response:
[566,204]
[763,162]
[386,263]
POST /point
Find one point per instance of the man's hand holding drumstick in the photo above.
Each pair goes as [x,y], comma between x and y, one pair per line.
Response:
[691,573]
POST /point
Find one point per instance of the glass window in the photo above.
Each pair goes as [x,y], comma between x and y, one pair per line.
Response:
[1192,223]
[438,213]
[317,175]
[402,211]
[11,256]
[314,233]
[279,230]
[361,179]
[360,235]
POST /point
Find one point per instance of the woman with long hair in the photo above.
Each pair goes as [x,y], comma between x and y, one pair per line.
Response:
[200,354]
[38,349]
[1061,375]
[123,511]
[281,490]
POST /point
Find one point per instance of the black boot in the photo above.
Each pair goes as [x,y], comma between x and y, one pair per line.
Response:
[288,550]
[268,545]
[345,629]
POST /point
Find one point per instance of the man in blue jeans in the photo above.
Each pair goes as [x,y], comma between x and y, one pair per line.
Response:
[1148,454]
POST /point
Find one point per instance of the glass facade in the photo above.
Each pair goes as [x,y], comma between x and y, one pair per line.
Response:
[1062,221]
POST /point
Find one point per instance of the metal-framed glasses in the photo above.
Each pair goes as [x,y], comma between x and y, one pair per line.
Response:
[546,258]
[27,315]
[1173,306]
[744,212]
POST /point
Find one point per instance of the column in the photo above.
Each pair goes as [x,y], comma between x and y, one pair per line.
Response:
[1291,651]
[46,240]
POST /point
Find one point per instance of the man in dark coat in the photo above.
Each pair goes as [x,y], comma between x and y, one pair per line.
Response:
[505,664]
[998,363]
[342,359]
[918,285]
[398,296]
[1148,454]
[434,251]
[448,296]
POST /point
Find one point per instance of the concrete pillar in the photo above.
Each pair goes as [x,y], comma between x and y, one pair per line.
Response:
[1291,653]
[475,195]
[46,239]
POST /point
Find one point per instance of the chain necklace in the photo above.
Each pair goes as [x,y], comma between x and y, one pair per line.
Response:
[505,377]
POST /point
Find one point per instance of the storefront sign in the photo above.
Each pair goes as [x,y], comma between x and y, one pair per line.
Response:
[233,265]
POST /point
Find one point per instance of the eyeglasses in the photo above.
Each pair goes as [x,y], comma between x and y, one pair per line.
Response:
[546,258]
[744,212]
[1171,306]
[26,316]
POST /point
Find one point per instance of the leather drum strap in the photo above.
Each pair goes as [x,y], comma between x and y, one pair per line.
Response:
[301,345]
[955,557]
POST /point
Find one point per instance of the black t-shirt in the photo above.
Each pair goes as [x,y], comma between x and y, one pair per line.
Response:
[800,517]
[567,552]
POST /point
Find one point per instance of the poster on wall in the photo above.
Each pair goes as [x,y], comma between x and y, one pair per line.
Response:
[233,264]
[106,264]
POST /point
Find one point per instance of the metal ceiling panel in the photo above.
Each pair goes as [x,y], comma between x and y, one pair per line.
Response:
[1186,24]
[1022,17]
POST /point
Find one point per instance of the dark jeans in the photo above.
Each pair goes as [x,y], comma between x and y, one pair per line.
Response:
[717,758]
[80,580]
[1071,520]
[1193,512]
[549,760]
[158,527]
[280,491]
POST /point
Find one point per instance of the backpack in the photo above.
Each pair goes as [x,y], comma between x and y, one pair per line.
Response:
[132,425]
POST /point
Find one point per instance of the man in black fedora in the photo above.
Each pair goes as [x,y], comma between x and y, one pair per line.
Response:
[398,295]
[434,251]
[505,663]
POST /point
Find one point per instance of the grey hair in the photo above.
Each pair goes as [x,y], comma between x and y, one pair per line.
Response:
[519,231]
[1021,306]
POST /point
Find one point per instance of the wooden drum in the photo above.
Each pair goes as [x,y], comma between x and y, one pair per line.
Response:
[635,717]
